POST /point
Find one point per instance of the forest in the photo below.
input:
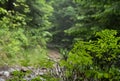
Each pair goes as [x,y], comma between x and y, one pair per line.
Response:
[59,40]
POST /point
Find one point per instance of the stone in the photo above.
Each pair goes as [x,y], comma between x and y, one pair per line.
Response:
[1,79]
[6,73]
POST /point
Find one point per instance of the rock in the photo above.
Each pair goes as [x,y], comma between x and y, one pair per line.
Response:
[11,70]
[1,79]
[6,73]
[1,73]
[24,69]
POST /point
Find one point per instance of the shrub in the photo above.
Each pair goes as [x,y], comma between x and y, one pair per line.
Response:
[94,60]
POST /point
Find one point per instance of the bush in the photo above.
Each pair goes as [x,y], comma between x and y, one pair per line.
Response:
[17,38]
[94,60]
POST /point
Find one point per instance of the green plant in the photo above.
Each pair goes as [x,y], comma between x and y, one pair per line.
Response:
[94,60]
[17,76]
[17,36]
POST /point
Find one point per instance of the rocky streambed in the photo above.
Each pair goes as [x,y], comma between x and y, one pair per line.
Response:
[7,72]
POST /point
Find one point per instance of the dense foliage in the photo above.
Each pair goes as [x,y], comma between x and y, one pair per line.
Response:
[95,60]
[86,32]
[17,36]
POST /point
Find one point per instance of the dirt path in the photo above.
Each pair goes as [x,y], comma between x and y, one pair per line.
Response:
[54,55]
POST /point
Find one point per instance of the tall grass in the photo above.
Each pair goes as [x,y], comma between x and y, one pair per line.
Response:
[29,57]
